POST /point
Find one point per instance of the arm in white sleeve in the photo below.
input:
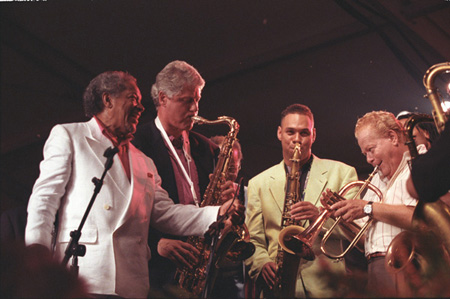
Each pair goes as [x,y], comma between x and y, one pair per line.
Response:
[55,171]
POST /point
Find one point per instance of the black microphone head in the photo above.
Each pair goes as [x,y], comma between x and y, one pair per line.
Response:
[110,152]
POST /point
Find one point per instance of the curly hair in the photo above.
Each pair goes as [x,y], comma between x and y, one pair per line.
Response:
[112,82]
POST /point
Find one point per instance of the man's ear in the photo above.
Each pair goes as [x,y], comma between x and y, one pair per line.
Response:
[279,133]
[106,99]
[162,99]
[393,137]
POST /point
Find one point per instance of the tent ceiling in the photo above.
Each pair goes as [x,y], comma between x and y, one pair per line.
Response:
[341,58]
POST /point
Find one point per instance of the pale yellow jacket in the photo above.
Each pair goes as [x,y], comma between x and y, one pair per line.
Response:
[266,194]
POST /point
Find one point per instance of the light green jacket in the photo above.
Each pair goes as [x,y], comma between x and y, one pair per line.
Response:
[266,194]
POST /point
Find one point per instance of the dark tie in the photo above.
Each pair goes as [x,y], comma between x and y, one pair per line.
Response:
[178,143]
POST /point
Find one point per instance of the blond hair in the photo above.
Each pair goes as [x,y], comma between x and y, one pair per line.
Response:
[382,122]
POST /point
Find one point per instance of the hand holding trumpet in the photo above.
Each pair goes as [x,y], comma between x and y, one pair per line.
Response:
[304,210]
[349,210]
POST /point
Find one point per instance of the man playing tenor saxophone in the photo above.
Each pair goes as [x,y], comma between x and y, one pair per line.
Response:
[185,160]
[266,203]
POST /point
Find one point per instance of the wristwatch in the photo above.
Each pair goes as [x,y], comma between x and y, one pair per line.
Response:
[368,209]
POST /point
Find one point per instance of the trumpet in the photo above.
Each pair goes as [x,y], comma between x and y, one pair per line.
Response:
[300,243]
[354,240]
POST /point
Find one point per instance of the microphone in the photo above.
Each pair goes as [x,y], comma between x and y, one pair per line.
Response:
[109,154]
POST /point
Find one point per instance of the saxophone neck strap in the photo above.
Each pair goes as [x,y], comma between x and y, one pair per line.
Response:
[177,158]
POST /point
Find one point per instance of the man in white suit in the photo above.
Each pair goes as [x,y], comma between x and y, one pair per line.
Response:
[266,197]
[131,199]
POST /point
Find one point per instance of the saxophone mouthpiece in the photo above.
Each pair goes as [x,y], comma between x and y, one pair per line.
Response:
[198,119]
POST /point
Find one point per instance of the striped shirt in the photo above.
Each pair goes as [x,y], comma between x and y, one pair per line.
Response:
[380,234]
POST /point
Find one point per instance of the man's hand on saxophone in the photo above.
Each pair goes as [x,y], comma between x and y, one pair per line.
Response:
[227,190]
[179,252]
[268,273]
[234,210]
[184,254]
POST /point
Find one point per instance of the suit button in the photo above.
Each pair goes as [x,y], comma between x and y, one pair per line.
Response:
[139,241]
[107,207]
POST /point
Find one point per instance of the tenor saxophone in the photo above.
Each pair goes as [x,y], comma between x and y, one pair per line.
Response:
[238,246]
[287,264]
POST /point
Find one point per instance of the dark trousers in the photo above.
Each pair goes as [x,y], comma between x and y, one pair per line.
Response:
[380,283]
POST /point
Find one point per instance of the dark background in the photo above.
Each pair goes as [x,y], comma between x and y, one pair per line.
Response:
[341,58]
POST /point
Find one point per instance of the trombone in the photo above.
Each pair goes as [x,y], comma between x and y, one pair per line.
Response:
[298,242]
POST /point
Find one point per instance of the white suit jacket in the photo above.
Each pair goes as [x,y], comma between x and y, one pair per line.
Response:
[115,232]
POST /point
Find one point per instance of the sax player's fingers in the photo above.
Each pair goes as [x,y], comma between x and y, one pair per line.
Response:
[268,273]
[180,260]
[227,190]
[191,249]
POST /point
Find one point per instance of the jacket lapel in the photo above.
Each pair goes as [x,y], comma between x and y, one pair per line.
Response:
[160,155]
[135,204]
[316,183]
[277,184]
[98,144]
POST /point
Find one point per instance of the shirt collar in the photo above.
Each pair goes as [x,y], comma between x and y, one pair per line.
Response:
[110,135]
[305,168]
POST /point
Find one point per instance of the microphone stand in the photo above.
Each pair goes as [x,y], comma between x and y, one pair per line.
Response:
[74,248]
[212,237]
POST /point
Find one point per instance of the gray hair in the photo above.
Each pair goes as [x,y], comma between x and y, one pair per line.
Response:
[112,82]
[173,78]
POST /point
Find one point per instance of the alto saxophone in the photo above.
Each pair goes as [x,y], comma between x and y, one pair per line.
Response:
[237,242]
[287,264]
